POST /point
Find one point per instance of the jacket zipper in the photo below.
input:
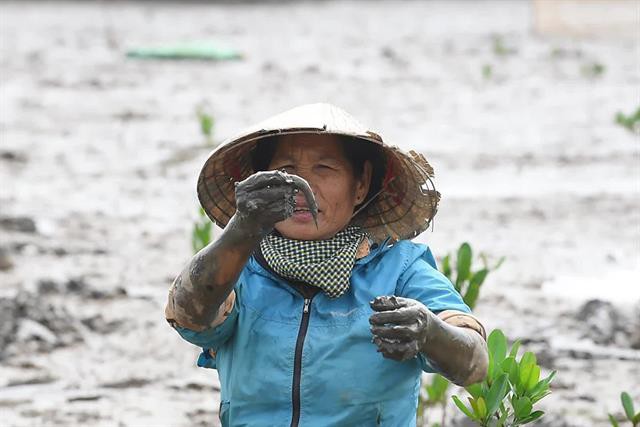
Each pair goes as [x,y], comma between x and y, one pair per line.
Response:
[297,362]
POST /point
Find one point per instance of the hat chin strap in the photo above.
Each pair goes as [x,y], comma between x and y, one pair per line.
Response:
[361,208]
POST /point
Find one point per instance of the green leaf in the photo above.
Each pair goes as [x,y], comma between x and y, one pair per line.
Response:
[473,290]
[437,389]
[498,264]
[514,349]
[478,277]
[471,296]
[497,344]
[613,421]
[463,264]
[528,358]
[497,391]
[446,267]
[463,408]
[510,366]
[534,416]
[474,405]
[503,418]
[482,408]
[627,404]
[522,407]
[201,233]
[206,124]
[534,376]
[539,396]
[523,380]
[542,388]
[636,419]
[475,390]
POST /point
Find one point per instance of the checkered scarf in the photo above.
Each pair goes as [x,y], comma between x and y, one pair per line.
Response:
[326,264]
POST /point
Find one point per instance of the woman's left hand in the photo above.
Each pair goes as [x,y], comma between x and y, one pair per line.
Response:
[399,326]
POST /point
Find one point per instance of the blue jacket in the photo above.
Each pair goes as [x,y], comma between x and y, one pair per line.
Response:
[282,358]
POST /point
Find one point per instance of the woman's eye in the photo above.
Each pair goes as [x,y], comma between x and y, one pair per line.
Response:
[325,167]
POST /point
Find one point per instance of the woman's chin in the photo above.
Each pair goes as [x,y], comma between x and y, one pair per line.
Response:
[301,226]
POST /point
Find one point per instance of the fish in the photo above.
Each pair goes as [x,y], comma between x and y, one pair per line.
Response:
[302,185]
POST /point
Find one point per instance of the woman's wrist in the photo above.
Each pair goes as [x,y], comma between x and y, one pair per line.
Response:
[459,353]
[245,229]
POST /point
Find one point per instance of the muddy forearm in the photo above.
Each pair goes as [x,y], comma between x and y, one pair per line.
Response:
[206,281]
[459,353]
[403,327]
[262,200]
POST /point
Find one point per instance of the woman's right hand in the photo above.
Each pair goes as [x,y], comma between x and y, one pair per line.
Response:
[268,197]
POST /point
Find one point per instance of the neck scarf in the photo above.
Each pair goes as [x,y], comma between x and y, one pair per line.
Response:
[326,264]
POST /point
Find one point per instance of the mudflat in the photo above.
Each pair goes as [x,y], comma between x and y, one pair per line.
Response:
[99,156]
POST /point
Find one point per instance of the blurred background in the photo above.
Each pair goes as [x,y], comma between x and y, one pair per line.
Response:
[529,112]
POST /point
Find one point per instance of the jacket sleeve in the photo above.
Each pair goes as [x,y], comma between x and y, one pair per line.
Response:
[215,336]
[423,282]
[220,330]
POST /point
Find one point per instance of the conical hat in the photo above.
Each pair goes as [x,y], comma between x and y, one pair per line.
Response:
[404,207]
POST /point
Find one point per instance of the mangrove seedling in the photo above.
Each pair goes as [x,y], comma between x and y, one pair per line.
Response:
[467,281]
[206,120]
[593,69]
[630,122]
[507,396]
[630,413]
[487,71]
[500,48]
[201,233]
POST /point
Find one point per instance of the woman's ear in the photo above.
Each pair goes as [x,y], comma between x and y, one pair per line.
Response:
[364,182]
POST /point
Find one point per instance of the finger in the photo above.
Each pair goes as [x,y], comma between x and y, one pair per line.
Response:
[395,317]
[403,333]
[386,303]
[264,179]
[399,351]
[272,204]
[265,196]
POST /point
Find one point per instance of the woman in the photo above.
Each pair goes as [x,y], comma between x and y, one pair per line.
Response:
[321,318]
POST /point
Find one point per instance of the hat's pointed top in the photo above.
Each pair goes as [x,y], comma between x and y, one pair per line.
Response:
[317,117]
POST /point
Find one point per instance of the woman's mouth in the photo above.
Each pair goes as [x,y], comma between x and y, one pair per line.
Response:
[302,214]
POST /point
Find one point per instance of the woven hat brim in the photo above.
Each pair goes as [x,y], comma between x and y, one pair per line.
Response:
[403,209]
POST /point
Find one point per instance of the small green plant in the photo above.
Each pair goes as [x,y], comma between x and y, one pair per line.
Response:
[562,52]
[201,233]
[433,394]
[500,48]
[593,69]
[207,122]
[512,387]
[487,71]
[467,282]
[630,122]
[632,416]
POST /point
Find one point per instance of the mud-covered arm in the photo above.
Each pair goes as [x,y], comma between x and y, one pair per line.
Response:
[207,281]
[455,346]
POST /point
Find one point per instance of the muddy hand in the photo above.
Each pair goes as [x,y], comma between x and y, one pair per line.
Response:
[399,326]
[268,197]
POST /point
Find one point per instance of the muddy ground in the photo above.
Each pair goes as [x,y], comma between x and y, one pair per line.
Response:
[99,157]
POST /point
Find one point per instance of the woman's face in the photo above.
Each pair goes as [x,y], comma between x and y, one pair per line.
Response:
[321,161]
